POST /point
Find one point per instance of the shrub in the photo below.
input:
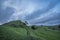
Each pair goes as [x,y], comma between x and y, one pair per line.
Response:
[53,28]
[34,27]
[14,25]
[58,26]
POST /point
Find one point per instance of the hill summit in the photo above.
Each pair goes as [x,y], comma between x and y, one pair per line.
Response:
[17,23]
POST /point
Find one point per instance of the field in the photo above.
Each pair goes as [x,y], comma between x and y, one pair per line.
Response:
[8,32]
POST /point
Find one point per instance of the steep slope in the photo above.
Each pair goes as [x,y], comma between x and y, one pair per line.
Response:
[17,30]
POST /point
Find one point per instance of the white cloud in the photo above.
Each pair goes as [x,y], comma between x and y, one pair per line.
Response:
[48,15]
[22,8]
[27,7]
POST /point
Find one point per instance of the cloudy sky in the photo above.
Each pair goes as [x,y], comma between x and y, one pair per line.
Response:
[38,12]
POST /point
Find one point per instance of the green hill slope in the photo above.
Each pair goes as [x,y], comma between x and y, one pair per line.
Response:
[17,30]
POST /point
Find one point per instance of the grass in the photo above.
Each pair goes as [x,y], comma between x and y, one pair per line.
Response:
[18,33]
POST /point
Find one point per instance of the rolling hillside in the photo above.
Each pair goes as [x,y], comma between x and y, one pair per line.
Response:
[17,30]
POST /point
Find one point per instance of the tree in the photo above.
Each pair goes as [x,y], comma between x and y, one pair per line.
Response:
[34,27]
[26,22]
[58,26]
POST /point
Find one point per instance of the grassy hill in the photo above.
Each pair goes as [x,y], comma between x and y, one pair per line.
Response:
[17,30]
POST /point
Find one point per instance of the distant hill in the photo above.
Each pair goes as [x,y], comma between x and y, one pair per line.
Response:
[18,30]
